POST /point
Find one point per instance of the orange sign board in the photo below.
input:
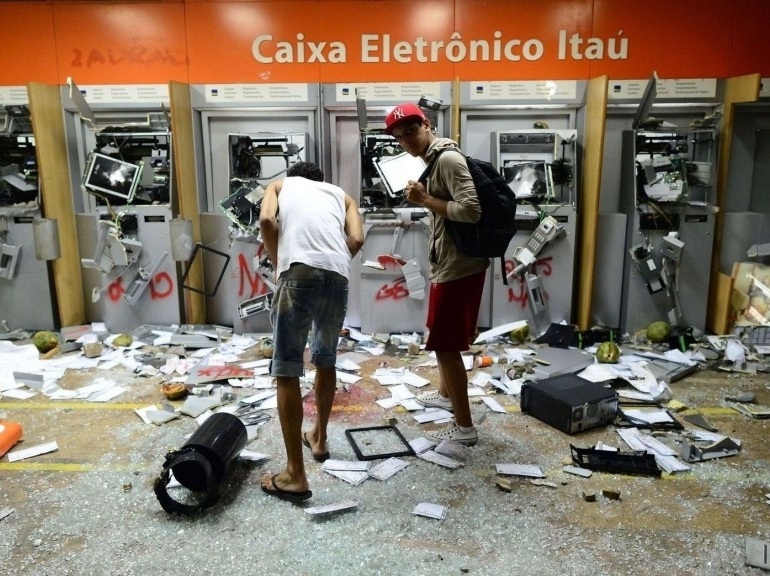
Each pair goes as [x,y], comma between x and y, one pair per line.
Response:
[384,41]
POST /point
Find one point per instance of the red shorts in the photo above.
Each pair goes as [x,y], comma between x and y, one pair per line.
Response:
[453,310]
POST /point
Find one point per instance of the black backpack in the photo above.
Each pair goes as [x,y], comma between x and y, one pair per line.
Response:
[491,235]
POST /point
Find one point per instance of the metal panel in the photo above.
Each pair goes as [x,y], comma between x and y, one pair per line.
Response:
[386,304]
[215,234]
[555,266]
[608,268]
[639,307]
[159,303]
[740,231]
[26,298]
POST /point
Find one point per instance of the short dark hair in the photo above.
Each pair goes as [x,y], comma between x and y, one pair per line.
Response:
[306,170]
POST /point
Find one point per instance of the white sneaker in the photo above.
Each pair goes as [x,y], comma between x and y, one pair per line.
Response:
[435,400]
[452,432]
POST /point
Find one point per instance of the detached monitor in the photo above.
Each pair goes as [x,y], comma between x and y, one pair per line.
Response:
[112,176]
[396,171]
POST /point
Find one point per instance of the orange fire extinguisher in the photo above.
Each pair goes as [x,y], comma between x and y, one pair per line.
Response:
[10,433]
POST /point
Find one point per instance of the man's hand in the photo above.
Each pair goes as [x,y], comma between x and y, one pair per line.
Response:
[416,192]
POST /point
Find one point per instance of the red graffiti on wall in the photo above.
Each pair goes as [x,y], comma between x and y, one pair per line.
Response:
[518,291]
[140,53]
[395,291]
[256,284]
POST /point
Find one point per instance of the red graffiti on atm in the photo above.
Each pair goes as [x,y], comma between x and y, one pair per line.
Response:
[250,285]
[518,293]
[116,290]
[161,286]
[395,291]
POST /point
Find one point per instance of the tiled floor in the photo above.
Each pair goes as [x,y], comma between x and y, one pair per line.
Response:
[88,508]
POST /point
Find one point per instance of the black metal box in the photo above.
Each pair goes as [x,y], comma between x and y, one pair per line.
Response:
[569,403]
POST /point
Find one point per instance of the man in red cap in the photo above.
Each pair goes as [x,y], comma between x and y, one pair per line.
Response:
[457,280]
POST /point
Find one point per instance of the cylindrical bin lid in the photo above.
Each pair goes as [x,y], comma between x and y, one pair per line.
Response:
[182,239]
[219,440]
[46,234]
[10,433]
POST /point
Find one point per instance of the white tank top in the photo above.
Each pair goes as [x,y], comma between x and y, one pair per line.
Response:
[311,220]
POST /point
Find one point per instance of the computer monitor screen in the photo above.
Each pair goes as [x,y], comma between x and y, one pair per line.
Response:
[396,171]
[112,176]
[529,179]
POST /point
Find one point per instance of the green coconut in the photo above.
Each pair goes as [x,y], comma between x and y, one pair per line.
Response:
[519,335]
[608,353]
[658,331]
[45,341]
[123,340]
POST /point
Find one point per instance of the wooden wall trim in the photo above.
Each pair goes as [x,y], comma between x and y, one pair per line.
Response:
[588,195]
[187,192]
[57,197]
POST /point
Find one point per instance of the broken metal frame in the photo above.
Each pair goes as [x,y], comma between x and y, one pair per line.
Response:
[637,462]
[625,421]
[350,432]
[200,247]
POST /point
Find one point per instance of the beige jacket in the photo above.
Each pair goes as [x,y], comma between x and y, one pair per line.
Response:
[450,180]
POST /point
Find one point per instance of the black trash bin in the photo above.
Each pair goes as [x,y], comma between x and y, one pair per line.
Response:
[201,463]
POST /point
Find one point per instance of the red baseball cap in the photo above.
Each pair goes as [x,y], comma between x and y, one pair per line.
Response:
[403,113]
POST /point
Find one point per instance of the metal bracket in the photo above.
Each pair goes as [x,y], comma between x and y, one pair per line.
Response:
[9,258]
[140,283]
[721,449]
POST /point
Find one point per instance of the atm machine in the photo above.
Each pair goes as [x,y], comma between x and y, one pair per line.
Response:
[248,135]
[668,179]
[255,161]
[27,298]
[540,166]
[667,175]
[390,277]
[395,272]
[125,231]
[529,132]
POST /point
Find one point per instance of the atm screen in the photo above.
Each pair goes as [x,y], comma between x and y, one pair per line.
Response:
[112,176]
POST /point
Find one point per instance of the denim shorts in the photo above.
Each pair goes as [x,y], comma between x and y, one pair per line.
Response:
[311,301]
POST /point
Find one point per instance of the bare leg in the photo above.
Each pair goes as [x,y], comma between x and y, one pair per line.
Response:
[290,413]
[325,386]
[454,381]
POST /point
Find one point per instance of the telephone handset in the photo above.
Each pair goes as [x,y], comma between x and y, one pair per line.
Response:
[544,235]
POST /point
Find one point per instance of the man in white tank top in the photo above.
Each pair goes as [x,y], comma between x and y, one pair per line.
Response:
[311,230]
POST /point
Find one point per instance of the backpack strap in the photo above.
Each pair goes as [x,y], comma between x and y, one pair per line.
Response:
[429,168]
[502,268]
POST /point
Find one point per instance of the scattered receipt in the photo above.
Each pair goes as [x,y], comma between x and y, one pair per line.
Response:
[436,511]
[32,451]
[388,468]
[330,508]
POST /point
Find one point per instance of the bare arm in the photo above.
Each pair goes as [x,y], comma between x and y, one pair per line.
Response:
[354,229]
[268,220]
